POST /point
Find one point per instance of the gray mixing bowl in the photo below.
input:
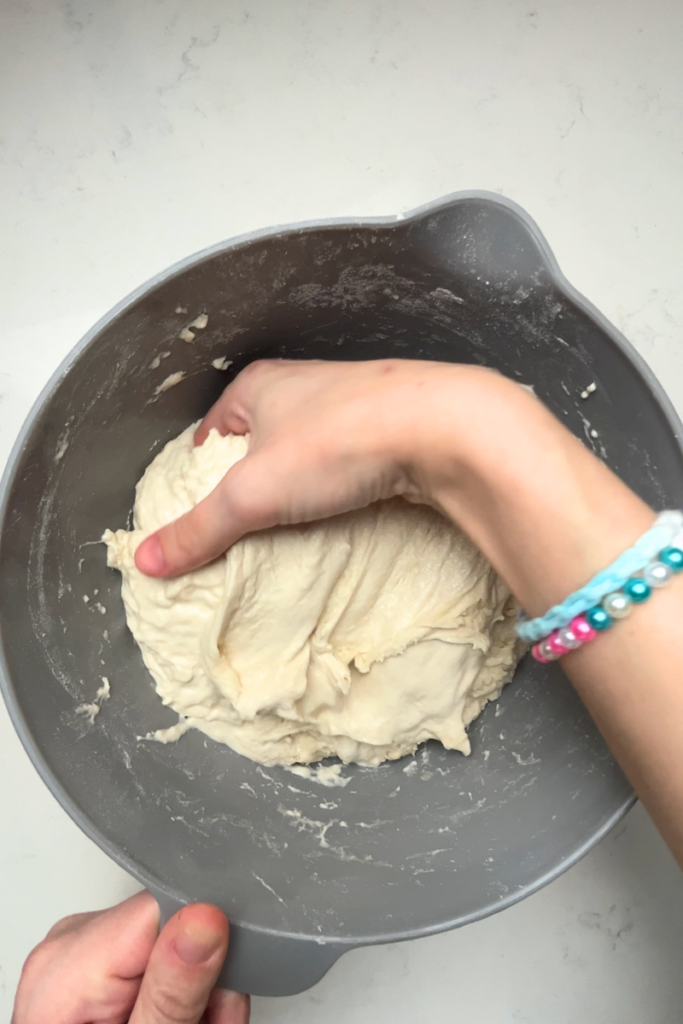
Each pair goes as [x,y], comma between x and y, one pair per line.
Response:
[424,844]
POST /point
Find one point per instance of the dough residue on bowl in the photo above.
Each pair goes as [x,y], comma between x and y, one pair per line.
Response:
[360,636]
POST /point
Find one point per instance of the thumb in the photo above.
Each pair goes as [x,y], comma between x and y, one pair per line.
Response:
[183,967]
[243,501]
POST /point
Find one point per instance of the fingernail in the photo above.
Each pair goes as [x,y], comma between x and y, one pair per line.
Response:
[149,557]
[195,943]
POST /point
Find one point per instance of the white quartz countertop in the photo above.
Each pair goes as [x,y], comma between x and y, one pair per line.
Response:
[133,133]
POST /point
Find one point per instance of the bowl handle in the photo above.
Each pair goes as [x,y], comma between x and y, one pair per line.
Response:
[262,963]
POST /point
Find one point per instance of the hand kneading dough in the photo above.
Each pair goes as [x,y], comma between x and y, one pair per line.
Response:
[360,636]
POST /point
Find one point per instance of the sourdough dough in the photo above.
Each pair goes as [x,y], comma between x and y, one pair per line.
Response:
[359,636]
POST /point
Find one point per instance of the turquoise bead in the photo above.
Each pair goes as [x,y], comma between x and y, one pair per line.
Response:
[637,589]
[598,618]
[673,557]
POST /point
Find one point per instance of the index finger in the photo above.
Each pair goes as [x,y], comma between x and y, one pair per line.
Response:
[230,414]
[183,967]
[225,415]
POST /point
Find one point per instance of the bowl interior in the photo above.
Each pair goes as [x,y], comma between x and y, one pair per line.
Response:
[405,848]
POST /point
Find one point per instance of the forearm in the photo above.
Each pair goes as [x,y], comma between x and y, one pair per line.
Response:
[631,682]
[549,515]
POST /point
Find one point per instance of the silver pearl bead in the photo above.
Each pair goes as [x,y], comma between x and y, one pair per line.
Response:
[618,604]
[548,653]
[657,574]
[568,639]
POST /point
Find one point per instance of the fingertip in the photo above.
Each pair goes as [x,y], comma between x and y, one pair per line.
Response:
[144,903]
[205,914]
[200,535]
[200,932]
[150,558]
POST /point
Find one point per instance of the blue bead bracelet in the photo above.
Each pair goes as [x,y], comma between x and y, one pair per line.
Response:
[616,605]
[661,542]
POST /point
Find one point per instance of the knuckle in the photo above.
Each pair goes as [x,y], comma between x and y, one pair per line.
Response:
[35,968]
[190,537]
[169,1005]
[245,501]
[183,538]
[256,367]
[66,924]
[239,505]
[254,373]
[35,963]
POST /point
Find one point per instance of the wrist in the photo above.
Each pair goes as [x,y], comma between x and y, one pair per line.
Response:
[543,509]
[456,429]
[424,415]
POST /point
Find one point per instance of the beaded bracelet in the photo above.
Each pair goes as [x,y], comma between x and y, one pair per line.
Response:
[663,533]
[617,605]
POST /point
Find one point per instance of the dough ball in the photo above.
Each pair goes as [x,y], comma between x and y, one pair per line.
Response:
[359,636]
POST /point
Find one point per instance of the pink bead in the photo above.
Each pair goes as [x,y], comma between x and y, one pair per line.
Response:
[536,651]
[582,629]
[556,645]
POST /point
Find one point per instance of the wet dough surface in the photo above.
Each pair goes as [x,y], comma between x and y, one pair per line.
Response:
[360,636]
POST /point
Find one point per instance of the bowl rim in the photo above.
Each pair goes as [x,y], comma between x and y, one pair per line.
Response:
[67,802]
